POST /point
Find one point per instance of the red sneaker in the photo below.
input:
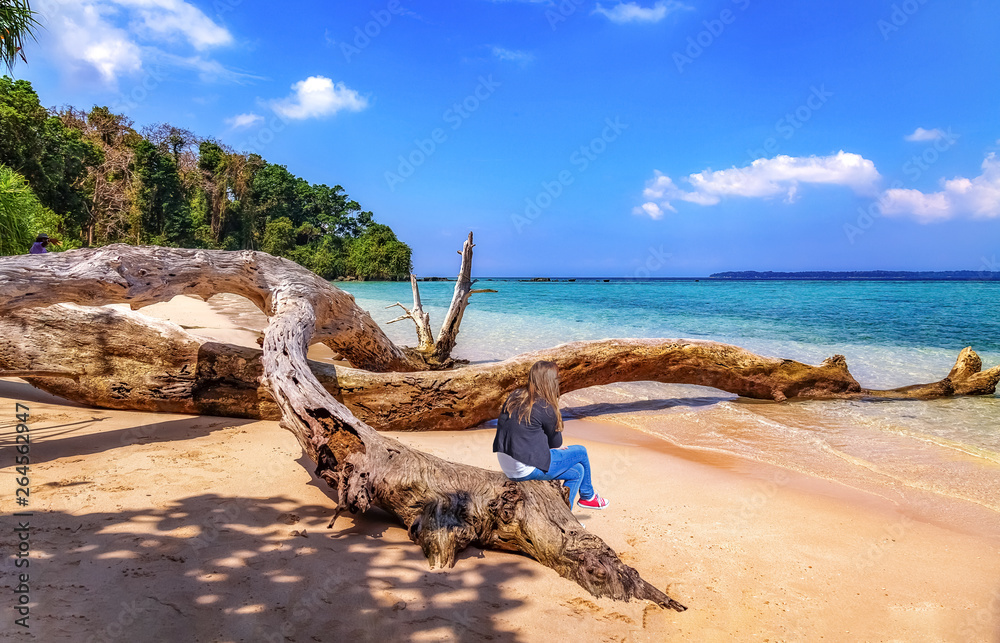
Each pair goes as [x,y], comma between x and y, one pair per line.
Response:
[597,502]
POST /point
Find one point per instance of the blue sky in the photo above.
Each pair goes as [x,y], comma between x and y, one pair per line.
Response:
[654,138]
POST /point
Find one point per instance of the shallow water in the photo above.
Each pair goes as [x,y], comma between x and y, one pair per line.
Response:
[892,334]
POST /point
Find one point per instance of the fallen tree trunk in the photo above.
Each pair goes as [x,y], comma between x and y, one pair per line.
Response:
[129,361]
[140,277]
[444,506]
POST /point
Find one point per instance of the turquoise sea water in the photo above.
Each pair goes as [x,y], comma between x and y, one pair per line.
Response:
[892,333]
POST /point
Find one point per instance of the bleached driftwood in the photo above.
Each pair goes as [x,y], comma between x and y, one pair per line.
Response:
[437,353]
[445,506]
[129,361]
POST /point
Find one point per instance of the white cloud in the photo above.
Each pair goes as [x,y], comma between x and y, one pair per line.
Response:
[625,12]
[172,19]
[83,36]
[650,209]
[102,41]
[920,135]
[978,197]
[513,55]
[243,121]
[761,179]
[209,70]
[318,96]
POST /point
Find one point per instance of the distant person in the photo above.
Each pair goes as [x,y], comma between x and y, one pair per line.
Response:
[528,443]
[39,246]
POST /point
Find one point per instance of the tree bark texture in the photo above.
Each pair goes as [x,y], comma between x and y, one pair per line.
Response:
[125,360]
[444,506]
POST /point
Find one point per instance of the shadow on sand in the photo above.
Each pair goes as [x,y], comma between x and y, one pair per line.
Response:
[215,566]
[638,406]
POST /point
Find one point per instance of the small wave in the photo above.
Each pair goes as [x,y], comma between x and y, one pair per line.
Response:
[803,442]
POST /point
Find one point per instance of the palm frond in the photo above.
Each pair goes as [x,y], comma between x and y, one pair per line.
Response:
[17,24]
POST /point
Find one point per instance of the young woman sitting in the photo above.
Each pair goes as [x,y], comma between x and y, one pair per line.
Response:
[529,440]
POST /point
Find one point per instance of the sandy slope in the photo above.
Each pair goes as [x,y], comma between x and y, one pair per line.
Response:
[154,527]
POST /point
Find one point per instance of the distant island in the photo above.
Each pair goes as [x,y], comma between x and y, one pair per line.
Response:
[869,275]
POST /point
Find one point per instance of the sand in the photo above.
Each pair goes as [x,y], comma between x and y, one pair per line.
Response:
[159,527]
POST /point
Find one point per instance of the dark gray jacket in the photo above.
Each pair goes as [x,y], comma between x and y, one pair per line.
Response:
[529,442]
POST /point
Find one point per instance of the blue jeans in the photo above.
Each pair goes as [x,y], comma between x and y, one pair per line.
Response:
[572,465]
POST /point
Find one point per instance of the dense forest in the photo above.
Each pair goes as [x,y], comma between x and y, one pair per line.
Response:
[90,179]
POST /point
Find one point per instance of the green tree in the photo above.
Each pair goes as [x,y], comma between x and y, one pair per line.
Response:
[163,210]
[51,156]
[276,193]
[279,237]
[378,254]
[22,216]
[211,157]
[329,260]
[225,177]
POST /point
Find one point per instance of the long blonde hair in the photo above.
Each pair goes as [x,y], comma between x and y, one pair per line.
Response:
[543,382]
